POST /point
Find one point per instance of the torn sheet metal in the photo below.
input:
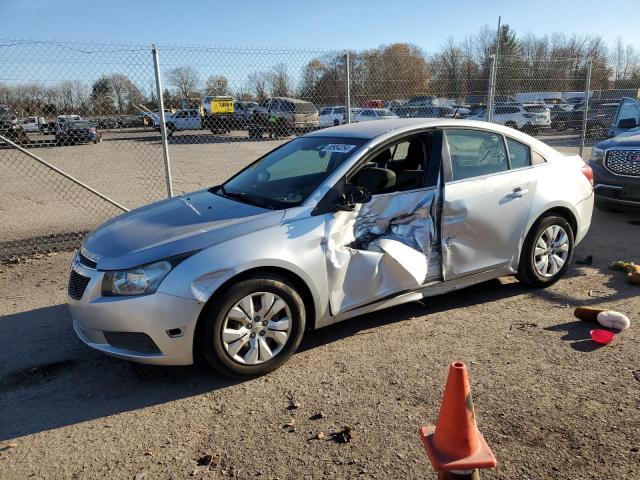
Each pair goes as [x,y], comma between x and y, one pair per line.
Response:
[384,247]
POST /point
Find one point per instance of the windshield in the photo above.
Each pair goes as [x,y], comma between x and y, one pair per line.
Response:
[385,113]
[535,109]
[81,125]
[286,176]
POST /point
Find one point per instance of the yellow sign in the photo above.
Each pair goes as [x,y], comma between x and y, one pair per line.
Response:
[221,106]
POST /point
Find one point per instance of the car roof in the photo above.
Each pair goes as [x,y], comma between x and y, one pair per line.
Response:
[391,127]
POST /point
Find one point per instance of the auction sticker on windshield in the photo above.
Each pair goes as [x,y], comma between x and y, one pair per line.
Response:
[338,148]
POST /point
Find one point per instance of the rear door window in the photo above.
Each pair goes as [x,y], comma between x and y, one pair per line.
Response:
[519,154]
[476,153]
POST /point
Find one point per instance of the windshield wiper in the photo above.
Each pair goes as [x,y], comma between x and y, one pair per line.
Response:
[244,198]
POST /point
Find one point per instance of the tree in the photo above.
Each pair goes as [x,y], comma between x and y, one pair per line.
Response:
[258,81]
[185,80]
[217,85]
[279,82]
[102,95]
[125,93]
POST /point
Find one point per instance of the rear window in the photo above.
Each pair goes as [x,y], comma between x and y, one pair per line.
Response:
[302,107]
[81,125]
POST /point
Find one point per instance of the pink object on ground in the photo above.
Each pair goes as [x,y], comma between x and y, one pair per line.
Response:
[602,337]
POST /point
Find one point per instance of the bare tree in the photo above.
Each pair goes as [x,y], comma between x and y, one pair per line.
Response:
[279,82]
[217,85]
[185,80]
[125,93]
[259,81]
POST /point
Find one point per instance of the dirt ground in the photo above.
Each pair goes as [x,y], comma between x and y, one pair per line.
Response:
[549,402]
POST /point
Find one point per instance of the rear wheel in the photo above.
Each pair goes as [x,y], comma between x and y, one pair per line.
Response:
[254,327]
[547,251]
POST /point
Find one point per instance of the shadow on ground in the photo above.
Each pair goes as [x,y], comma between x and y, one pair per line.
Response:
[50,370]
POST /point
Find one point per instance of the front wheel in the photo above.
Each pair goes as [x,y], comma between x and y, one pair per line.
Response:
[547,251]
[254,327]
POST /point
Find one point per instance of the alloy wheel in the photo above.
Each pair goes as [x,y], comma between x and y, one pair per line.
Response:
[551,251]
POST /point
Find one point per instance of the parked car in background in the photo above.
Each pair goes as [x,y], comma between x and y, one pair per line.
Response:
[218,113]
[420,101]
[283,116]
[242,113]
[338,223]
[62,122]
[543,113]
[424,112]
[373,104]
[516,116]
[78,131]
[367,114]
[180,120]
[628,110]
[33,124]
[599,118]
[616,169]
[332,116]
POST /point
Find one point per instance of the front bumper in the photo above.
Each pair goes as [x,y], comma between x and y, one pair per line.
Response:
[168,321]
[615,189]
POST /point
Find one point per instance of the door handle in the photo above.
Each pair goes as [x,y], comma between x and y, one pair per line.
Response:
[518,193]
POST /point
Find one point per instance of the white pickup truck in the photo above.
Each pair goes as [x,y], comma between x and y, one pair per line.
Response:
[215,114]
[186,119]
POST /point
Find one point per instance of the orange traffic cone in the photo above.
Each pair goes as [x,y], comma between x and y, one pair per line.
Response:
[455,443]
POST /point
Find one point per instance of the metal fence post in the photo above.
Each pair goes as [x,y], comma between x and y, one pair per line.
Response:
[347,86]
[492,88]
[587,91]
[163,128]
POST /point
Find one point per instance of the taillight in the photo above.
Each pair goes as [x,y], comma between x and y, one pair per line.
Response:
[587,172]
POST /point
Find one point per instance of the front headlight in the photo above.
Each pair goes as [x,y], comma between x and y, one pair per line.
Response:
[137,281]
[597,155]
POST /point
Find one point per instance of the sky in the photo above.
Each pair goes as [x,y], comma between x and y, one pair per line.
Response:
[325,24]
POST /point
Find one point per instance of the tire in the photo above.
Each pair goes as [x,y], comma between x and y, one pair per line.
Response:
[511,125]
[529,272]
[249,358]
[336,123]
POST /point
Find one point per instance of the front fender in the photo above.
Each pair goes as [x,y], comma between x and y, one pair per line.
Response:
[295,247]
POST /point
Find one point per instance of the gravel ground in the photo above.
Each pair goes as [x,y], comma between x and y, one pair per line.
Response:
[549,403]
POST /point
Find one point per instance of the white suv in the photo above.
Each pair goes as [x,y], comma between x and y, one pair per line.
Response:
[332,116]
[374,114]
[527,118]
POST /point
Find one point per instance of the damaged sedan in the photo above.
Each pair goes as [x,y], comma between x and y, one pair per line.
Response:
[334,224]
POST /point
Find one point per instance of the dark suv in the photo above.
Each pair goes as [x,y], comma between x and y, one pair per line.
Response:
[616,161]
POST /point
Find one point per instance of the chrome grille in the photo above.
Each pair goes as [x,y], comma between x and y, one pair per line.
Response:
[624,162]
[77,285]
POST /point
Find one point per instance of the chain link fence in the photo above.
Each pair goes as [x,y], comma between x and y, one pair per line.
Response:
[82,122]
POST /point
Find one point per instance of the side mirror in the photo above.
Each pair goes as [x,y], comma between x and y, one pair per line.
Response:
[627,123]
[352,196]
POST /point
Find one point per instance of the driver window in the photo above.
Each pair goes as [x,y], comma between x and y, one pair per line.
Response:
[399,167]
[476,153]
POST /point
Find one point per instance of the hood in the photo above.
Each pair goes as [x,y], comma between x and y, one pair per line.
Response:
[626,139]
[174,226]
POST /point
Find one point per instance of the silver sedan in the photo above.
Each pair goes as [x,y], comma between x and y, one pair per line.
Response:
[330,225]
